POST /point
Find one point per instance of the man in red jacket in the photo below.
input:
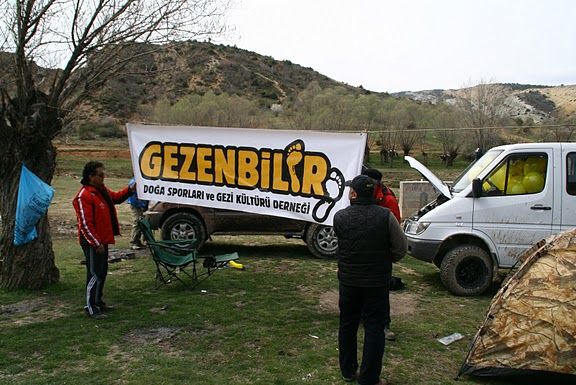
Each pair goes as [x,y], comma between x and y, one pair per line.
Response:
[384,196]
[97,226]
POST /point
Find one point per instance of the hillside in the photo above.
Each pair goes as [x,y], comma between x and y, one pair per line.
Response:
[529,102]
[178,69]
[175,70]
[564,97]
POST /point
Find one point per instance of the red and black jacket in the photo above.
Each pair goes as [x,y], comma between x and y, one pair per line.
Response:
[97,218]
[386,198]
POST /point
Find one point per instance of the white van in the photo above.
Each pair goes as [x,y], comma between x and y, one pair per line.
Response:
[502,204]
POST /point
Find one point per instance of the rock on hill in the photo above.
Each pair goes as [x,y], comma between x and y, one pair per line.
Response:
[528,102]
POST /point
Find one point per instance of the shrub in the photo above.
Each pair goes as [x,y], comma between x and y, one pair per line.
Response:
[538,100]
[103,129]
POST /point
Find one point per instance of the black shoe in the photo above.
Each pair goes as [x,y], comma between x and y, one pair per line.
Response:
[107,308]
[98,316]
[351,378]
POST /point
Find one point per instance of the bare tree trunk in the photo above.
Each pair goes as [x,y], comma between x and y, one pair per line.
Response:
[367,152]
[450,159]
[98,32]
[30,266]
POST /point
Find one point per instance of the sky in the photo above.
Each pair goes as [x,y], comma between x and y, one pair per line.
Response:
[413,45]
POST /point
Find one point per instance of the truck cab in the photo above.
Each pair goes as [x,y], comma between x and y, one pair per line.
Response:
[501,205]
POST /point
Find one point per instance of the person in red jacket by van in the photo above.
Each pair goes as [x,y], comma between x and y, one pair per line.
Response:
[97,226]
[385,198]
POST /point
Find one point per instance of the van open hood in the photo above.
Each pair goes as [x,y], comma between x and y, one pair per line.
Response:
[429,175]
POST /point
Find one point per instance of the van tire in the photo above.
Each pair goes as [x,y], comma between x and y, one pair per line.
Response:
[184,226]
[321,241]
[466,270]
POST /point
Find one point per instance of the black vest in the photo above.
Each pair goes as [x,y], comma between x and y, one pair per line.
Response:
[364,258]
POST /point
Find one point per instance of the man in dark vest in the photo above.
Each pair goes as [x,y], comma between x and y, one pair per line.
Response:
[370,239]
[385,198]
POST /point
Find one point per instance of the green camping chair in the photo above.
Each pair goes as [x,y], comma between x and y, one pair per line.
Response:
[182,246]
[177,259]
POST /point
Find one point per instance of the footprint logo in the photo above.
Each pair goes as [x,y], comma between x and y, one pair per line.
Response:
[294,155]
[334,187]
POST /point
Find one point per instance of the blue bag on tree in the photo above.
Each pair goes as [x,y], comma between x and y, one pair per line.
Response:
[34,197]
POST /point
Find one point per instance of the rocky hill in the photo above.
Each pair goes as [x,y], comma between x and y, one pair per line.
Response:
[536,103]
[175,70]
[178,69]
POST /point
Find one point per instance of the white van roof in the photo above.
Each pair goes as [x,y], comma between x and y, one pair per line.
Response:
[529,146]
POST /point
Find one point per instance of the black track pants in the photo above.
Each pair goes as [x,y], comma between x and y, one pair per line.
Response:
[96,271]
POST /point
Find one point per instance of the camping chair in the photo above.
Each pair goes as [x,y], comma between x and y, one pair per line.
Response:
[174,259]
[179,246]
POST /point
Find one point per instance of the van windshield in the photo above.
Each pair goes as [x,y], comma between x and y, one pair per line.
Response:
[473,170]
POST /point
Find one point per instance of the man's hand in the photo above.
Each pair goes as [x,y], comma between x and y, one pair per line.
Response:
[100,249]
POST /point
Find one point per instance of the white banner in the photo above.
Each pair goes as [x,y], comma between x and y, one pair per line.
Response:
[292,174]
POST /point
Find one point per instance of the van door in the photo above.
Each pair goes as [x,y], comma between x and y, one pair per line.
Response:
[568,193]
[516,207]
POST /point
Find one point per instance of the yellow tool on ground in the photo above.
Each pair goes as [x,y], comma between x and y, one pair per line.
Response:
[236,265]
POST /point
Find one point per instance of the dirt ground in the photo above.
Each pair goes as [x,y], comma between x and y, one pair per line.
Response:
[401,302]
[32,311]
[44,309]
[96,152]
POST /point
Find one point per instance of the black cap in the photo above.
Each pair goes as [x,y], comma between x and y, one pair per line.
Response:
[373,173]
[363,185]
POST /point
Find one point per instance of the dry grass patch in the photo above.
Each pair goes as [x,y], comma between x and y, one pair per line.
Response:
[407,270]
[128,353]
[32,311]
[401,303]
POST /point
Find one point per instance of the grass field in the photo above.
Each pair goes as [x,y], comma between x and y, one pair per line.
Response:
[273,323]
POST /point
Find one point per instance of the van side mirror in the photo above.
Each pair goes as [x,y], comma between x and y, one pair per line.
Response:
[477,188]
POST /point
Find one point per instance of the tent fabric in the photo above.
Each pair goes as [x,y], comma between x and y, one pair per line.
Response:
[531,322]
[34,197]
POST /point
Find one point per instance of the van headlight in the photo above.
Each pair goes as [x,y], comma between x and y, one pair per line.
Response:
[415,227]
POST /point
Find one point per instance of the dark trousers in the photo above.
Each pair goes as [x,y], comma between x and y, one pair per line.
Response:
[366,304]
[387,319]
[96,271]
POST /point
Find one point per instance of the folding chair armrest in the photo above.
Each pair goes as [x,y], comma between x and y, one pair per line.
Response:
[173,260]
[173,247]
[190,243]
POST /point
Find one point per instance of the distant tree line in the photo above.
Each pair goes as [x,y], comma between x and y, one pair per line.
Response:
[396,126]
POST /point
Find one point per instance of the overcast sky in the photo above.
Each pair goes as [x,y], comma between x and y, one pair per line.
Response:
[411,45]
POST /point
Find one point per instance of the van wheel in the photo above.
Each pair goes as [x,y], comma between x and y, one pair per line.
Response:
[322,241]
[184,226]
[466,270]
